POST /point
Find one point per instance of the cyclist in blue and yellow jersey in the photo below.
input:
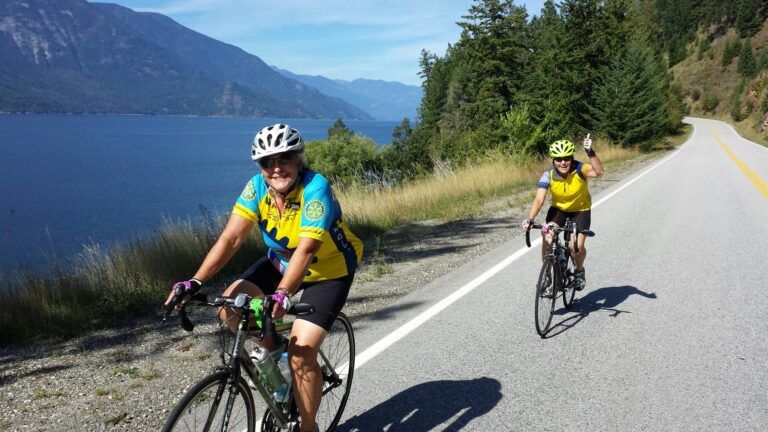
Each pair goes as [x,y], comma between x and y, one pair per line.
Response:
[567,182]
[310,248]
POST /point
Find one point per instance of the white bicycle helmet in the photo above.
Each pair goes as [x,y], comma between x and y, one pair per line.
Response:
[275,139]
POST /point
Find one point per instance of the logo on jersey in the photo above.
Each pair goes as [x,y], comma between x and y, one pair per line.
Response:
[314,210]
[248,193]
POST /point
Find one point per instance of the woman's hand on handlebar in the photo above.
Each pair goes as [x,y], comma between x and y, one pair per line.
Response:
[188,288]
[527,224]
[282,303]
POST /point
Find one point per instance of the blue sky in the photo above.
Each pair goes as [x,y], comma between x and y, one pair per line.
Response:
[341,39]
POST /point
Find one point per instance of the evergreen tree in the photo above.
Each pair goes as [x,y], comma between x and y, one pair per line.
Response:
[584,53]
[340,131]
[677,26]
[495,48]
[731,50]
[747,62]
[546,97]
[762,62]
[630,103]
[748,18]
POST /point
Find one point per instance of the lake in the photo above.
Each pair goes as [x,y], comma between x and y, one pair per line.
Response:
[66,180]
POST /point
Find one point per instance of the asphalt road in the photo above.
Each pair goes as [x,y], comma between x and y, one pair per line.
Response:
[669,335]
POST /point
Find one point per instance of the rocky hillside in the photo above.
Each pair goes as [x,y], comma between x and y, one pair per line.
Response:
[726,76]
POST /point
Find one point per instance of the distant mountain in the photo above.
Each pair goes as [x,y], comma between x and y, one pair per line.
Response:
[74,56]
[384,100]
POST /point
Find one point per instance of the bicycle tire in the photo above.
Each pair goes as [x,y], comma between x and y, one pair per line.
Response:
[192,412]
[337,363]
[569,291]
[545,299]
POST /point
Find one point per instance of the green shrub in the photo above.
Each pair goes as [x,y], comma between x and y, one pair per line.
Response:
[695,94]
[523,135]
[709,101]
[345,159]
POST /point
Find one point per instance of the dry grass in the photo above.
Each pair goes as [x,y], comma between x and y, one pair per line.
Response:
[451,193]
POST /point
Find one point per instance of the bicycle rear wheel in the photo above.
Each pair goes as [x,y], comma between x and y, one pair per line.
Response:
[214,405]
[337,362]
[545,296]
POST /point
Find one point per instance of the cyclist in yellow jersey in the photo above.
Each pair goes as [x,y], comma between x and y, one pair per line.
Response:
[567,182]
[311,249]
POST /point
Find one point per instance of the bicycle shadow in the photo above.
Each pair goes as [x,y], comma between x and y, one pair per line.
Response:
[602,299]
[428,405]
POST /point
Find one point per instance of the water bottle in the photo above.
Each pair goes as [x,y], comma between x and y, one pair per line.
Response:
[271,376]
[281,395]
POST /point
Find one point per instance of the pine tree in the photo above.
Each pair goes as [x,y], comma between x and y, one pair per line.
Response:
[630,103]
[546,93]
[340,131]
[748,18]
[584,53]
[495,47]
[677,25]
[747,61]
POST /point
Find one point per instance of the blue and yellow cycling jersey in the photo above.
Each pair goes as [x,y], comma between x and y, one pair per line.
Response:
[569,193]
[312,211]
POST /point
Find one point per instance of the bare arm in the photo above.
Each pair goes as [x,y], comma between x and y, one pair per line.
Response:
[299,263]
[231,239]
[595,169]
[538,202]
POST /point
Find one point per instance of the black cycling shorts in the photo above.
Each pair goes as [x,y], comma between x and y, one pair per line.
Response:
[582,219]
[328,296]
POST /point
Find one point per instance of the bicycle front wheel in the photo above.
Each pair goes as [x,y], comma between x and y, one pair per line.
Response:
[545,296]
[214,405]
[337,362]
[567,283]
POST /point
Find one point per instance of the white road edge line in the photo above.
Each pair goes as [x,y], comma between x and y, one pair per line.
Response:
[413,324]
[738,134]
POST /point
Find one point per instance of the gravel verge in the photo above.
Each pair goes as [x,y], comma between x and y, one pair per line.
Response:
[128,378]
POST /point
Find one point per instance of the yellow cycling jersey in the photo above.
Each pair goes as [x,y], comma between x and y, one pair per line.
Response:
[569,193]
[312,211]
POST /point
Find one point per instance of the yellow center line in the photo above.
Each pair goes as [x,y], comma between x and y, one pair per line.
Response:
[761,185]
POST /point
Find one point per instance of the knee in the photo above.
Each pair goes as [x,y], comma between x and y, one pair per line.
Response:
[230,316]
[303,357]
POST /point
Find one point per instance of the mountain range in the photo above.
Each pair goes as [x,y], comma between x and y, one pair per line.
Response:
[384,100]
[77,57]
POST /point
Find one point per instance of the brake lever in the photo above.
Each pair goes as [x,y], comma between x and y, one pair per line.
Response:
[177,292]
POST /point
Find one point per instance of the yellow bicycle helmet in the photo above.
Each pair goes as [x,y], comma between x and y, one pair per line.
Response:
[561,148]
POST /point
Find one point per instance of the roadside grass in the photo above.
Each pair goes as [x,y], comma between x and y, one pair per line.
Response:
[101,288]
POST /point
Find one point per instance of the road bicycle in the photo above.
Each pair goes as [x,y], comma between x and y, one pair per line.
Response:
[556,278]
[224,400]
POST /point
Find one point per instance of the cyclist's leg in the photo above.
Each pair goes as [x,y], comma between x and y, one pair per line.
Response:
[583,220]
[308,332]
[260,279]
[306,338]
[557,217]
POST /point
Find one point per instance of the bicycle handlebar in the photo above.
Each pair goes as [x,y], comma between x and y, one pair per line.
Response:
[242,302]
[557,230]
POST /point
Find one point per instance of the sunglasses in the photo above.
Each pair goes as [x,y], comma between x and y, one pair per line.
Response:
[563,159]
[271,162]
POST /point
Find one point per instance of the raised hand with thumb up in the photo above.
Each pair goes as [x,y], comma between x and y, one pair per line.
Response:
[588,145]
